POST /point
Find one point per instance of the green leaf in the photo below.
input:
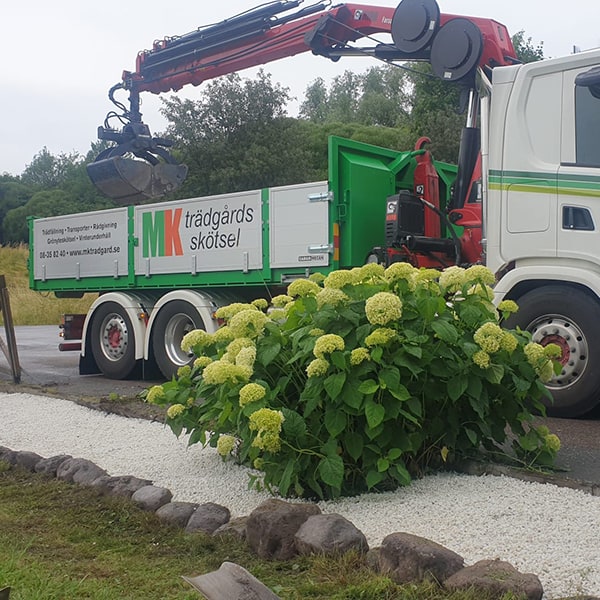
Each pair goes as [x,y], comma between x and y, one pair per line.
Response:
[494,373]
[415,351]
[268,353]
[374,412]
[383,464]
[394,454]
[401,474]
[457,386]
[429,306]
[530,441]
[331,469]
[333,384]
[400,392]
[369,386]
[472,436]
[474,387]
[445,331]
[376,354]
[354,444]
[352,396]
[294,426]
[311,405]
[286,478]
[339,360]
[335,421]
[373,478]
[390,378]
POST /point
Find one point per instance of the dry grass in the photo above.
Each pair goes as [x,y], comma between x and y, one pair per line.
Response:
[27,306]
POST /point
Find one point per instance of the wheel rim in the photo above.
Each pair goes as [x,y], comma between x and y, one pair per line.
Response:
[176,329]
[114,337]
[557,329]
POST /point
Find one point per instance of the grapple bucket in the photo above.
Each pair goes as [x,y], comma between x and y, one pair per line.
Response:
[131,181]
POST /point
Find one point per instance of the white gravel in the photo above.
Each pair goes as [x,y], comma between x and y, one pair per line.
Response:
[542,529]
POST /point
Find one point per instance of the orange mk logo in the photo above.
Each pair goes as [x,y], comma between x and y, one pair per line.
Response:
[160,233]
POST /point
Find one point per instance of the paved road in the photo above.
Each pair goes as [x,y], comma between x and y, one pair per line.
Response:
[47,369]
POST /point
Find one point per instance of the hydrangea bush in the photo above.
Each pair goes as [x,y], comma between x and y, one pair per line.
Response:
[362,380]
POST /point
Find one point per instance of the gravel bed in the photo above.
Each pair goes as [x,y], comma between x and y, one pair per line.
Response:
[543,529]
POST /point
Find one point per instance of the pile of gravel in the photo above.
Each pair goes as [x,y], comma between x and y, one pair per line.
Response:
[542,529]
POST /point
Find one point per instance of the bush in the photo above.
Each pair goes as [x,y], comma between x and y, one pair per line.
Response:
[362,380]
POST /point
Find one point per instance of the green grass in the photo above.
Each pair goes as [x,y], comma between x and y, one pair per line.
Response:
[61,541]
[27,306]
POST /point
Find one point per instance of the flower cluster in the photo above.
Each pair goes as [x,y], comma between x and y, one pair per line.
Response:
[328,343]
[197,338]
[202,361]
[317,368]
[251,392]
[339,279]
[489,337]
[225,444]
[281,300]
[383,308]
[380,337]
[359,355]
[452,279]
[267,424]
[331,296]
[508,306]
[400,270]
[228,311]
[479,274]
[303,287]
[155,394]
[220,372]
[175,410]
[248,323]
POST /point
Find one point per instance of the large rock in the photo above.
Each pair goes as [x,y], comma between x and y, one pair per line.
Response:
[329,534]
[208,517]
[231,582]
[405,557]
[152,497]
[495,578]
[27,460]
[272,525]
[7,455]
[176,513]
[79,470]
[49,466]
[234,527]
[123,485]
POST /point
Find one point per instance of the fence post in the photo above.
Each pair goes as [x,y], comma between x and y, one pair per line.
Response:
[10,348]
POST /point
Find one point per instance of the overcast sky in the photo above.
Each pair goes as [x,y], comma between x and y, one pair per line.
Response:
[60,57]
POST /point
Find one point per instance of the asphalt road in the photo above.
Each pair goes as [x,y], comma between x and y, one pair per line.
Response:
[47,370]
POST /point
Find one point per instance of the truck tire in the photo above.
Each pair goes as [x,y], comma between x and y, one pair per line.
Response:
[569,318]
[112,341]
[175,319]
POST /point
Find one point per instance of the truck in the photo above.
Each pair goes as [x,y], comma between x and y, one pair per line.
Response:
[523,199]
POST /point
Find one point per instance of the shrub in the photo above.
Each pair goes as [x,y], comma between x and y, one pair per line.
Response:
[362,380]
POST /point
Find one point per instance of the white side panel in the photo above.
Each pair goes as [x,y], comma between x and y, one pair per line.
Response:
[83,245]
[299,226]
[217,233]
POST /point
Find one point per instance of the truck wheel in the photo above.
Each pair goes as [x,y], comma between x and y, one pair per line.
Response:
[112,341]
[571,319]
[174,320]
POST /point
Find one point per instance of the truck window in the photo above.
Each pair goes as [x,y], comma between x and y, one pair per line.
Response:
[587,127]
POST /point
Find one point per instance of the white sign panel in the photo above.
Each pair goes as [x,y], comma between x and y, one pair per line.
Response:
[83,245]
[217,233]
[299,226]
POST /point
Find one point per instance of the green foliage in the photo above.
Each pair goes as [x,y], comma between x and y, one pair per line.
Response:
[379,96]
[361,384]
[525,49]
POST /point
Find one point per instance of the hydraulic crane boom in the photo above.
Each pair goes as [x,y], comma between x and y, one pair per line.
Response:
[455,46]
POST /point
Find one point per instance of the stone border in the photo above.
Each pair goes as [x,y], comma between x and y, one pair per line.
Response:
[279,530]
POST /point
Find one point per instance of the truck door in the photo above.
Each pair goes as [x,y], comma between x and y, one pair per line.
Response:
[579,174]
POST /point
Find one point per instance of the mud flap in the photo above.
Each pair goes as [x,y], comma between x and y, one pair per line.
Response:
[131,181]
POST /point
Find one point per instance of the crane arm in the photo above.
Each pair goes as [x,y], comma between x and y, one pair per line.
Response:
[455,46]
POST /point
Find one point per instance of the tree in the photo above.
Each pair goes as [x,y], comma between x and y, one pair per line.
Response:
[525,50]
[237,136]
[49,171]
